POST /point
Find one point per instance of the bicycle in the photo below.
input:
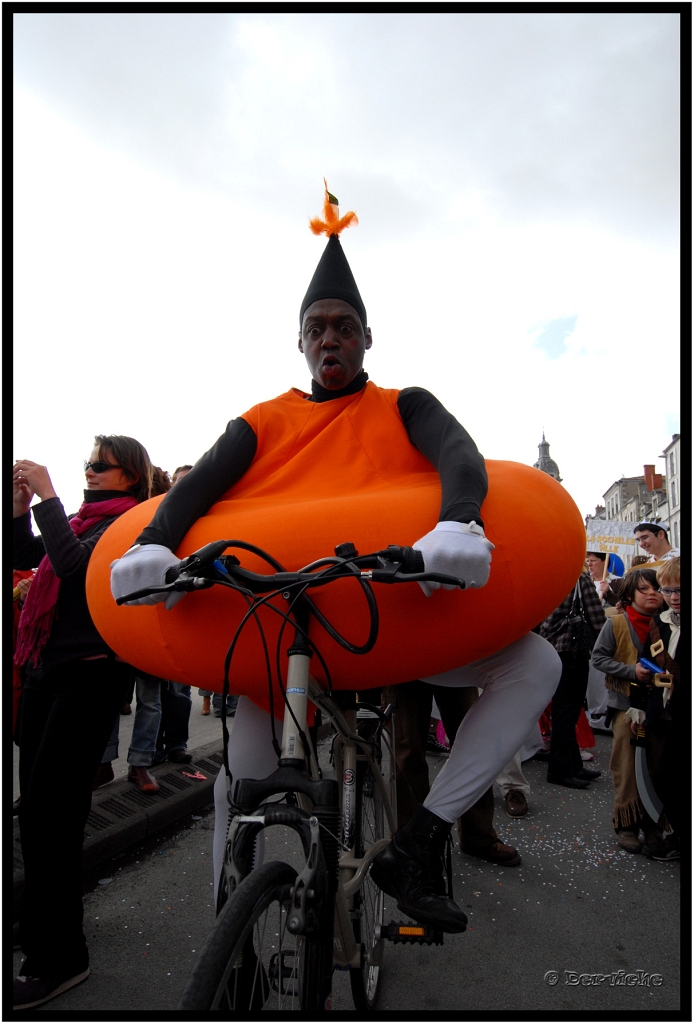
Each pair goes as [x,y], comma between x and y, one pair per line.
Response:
[279,933]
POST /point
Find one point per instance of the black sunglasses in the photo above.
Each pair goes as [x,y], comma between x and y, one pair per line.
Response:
[100,467]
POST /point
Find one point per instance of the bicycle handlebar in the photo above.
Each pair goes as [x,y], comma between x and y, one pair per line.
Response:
[208,565]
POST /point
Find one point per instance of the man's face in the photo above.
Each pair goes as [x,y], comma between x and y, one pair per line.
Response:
[333,341]
[652,544]
[646,599]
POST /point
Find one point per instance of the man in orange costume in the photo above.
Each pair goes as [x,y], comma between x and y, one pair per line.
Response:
[348,428]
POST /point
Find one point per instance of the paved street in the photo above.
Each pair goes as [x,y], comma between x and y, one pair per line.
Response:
[578,903]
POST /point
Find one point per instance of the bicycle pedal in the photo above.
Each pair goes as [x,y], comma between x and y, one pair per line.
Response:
[410,931]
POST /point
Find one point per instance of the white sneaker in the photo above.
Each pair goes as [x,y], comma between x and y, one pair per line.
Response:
[586,755]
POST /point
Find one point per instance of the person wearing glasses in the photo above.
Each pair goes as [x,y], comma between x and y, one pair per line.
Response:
[74,688]
[623,640]
[658,709]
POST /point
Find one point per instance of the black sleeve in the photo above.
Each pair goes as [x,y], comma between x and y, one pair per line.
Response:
[69,555]
[212,475]
[451,451]
[27,550]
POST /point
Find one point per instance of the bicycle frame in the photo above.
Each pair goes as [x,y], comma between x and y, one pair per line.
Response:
[349,749]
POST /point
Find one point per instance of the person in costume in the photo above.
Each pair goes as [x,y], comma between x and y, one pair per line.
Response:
[345,429]
[74,688]
[623,640]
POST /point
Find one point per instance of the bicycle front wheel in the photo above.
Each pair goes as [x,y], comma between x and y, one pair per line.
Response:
[369,901]
[250,961]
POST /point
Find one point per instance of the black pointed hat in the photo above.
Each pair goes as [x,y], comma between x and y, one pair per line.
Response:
[333,278]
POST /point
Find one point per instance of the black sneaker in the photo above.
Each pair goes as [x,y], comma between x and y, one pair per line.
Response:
[28,992]
[434,747]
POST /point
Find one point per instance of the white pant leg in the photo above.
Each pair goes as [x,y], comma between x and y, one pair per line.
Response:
[251,756]
[511,776]
[533,743]
[517,684]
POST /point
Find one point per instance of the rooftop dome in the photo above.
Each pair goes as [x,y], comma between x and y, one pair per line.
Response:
[544,462]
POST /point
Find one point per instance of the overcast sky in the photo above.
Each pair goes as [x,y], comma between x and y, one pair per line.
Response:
[516,182]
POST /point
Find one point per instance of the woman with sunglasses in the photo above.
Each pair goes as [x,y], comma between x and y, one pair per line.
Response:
[74,688]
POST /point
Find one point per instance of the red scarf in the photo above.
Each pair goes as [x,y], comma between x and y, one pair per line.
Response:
[640,622]
[39,608]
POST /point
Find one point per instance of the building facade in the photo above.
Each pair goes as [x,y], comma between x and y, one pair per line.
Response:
[672,476]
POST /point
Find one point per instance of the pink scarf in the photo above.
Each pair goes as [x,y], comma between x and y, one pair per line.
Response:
[39,608]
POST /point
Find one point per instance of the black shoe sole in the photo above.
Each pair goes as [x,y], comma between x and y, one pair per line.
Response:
[561,781]
[451,928]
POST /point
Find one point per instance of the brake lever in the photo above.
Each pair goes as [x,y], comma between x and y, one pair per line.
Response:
[182,583]
[391,574]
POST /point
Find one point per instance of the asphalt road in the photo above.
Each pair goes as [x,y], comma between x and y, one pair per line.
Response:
[577,905]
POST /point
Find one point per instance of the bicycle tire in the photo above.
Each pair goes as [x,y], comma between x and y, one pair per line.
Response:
[250,961]
[369,901]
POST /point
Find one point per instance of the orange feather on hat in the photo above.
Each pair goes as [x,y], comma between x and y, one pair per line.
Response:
[333,224]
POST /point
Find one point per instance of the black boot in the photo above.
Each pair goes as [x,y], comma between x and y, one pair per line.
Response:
[411,870]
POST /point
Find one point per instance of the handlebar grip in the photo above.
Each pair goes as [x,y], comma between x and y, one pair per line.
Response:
[171,575]
[413,561]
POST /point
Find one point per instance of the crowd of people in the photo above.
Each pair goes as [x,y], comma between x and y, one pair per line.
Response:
[604,626]
[75,687]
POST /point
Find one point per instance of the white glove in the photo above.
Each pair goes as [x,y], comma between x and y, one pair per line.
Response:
[635,715]
[143,566]
[458,549]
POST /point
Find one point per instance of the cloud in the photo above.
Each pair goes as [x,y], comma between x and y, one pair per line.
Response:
[543,115]
[553,335]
